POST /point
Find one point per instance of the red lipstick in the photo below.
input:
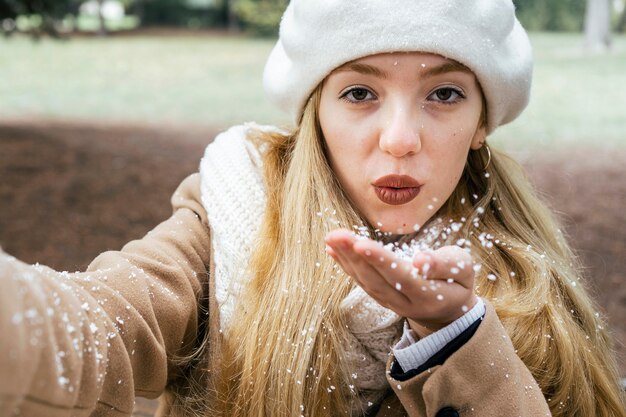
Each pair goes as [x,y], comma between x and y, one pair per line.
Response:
[396,189]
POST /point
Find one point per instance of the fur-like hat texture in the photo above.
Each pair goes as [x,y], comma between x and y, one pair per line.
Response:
[317,36]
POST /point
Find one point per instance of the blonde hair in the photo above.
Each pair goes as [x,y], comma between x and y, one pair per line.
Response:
[283,356]
[539,294]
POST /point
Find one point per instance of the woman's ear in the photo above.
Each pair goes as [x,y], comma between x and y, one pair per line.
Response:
[479,139]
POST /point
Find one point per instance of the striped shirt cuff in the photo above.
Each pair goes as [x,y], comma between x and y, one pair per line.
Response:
[411,353]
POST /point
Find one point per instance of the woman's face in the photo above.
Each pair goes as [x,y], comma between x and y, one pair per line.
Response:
[398,129]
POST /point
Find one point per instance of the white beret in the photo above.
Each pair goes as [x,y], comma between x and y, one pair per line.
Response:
[317,36]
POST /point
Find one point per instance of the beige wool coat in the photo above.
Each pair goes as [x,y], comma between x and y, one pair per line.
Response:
[86,343]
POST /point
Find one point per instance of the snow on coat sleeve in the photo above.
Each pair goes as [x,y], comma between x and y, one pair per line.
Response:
[483,378]
[85,343]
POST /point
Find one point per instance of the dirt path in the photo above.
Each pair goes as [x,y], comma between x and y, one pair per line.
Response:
[69,191]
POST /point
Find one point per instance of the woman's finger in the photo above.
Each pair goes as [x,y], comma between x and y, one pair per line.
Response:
[450,263]
[394,283]
[366,276]
[424,298]
[340,237]
[392,268]
[341,259]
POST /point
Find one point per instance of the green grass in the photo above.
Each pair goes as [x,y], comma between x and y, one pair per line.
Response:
[92,23]
[577,99]
[83,23]
[214,81]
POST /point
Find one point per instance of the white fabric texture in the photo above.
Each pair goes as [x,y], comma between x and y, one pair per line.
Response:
[233,195]
[411,352]
[317,36]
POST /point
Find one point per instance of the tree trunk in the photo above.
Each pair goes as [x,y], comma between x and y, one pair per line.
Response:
[232,24]
[621,26]
[598,24]
[140,11]
[102,30]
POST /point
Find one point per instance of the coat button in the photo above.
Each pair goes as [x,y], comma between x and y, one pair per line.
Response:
[447,412]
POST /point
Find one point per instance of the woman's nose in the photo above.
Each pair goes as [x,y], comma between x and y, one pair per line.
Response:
[400,133]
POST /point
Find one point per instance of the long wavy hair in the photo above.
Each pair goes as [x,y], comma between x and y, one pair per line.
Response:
[284,355]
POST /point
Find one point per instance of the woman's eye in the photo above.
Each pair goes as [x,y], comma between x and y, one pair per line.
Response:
[447,95]
[356,95]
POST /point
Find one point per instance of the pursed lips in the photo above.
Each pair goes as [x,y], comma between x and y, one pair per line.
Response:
[396,189]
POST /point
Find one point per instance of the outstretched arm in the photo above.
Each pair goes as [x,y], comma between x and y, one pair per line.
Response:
[476,373]
[75,343]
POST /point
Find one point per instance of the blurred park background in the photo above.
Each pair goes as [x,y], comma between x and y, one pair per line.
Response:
[106,105]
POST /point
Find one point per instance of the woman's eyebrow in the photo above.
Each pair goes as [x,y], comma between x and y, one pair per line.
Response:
[367,69]
[445,68]
[364,69]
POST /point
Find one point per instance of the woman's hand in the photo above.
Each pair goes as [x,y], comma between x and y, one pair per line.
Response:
[431,291]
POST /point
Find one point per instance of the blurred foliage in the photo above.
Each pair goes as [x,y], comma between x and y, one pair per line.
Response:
[179,13]
[47,8]
[52,16]
[621,23]
[260,17]
[41,16]
[553,16]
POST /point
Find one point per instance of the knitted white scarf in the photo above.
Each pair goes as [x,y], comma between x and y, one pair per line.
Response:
[233,195]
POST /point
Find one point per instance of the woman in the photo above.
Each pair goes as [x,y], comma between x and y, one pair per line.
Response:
[244,302]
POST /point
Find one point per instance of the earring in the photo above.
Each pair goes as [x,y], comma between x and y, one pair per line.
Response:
[488,155]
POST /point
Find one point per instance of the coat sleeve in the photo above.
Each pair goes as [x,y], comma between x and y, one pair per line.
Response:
[86,343]
[484,377]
